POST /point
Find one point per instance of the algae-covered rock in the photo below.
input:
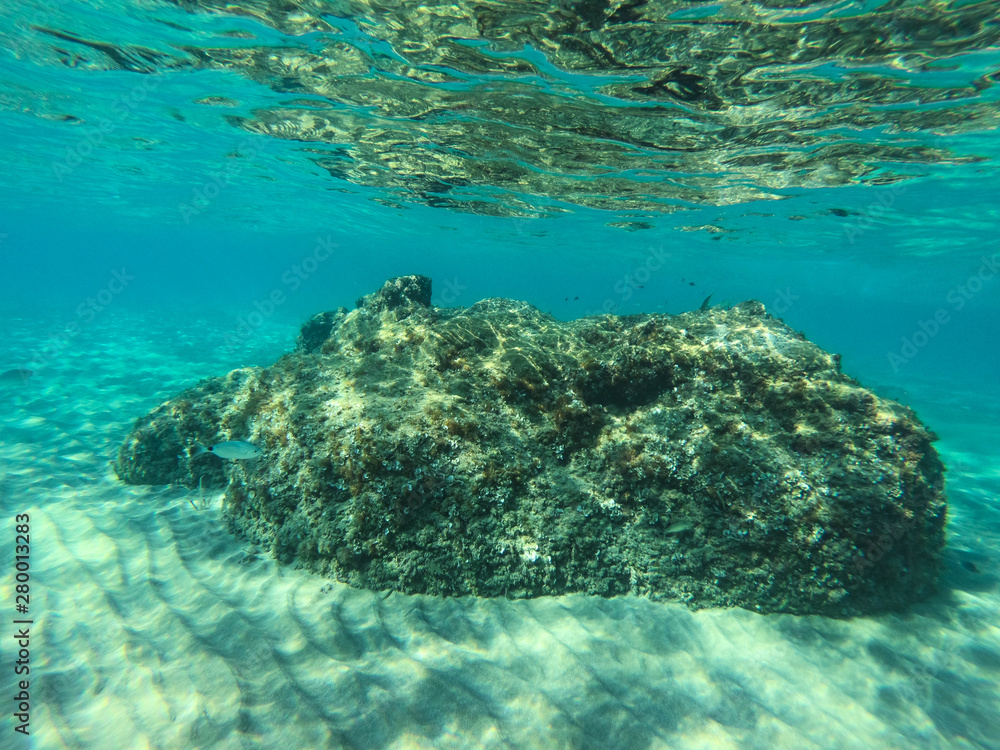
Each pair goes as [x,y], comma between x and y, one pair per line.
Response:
[714,457]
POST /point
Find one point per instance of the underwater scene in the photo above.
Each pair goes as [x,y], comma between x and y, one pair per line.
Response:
[600,374]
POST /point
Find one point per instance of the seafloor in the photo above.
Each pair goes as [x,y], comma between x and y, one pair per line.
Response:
[155,628]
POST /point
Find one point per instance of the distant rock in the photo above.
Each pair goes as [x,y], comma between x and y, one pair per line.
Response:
[715,457]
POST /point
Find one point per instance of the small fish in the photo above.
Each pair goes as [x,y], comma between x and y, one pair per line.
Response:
[707,304]
[678,526]
[234,450]
[18,374]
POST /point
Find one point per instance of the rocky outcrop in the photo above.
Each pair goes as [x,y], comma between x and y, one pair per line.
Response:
[715,457]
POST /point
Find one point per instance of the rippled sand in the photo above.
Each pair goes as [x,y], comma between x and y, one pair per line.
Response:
[155,628]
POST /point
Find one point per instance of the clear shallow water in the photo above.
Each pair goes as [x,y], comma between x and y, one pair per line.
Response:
[506,157]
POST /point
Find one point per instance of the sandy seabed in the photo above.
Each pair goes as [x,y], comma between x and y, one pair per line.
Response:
[153,627]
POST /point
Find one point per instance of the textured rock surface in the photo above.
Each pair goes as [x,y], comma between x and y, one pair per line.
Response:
[714,457]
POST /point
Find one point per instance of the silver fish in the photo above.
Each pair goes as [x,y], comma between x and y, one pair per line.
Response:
[678,526]
[234,450]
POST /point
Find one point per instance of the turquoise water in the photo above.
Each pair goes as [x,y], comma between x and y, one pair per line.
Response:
[169,165]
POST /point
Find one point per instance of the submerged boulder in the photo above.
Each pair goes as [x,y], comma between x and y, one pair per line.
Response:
[714,457]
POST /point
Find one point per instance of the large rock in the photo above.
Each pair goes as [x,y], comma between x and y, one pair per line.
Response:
[714,457]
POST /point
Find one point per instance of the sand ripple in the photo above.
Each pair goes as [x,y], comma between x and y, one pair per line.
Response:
[155,628]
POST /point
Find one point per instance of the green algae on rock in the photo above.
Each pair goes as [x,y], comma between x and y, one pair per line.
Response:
[714,457]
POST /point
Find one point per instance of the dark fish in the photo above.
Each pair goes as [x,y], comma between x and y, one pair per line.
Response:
[970,566]
[17,375]
[707,303]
